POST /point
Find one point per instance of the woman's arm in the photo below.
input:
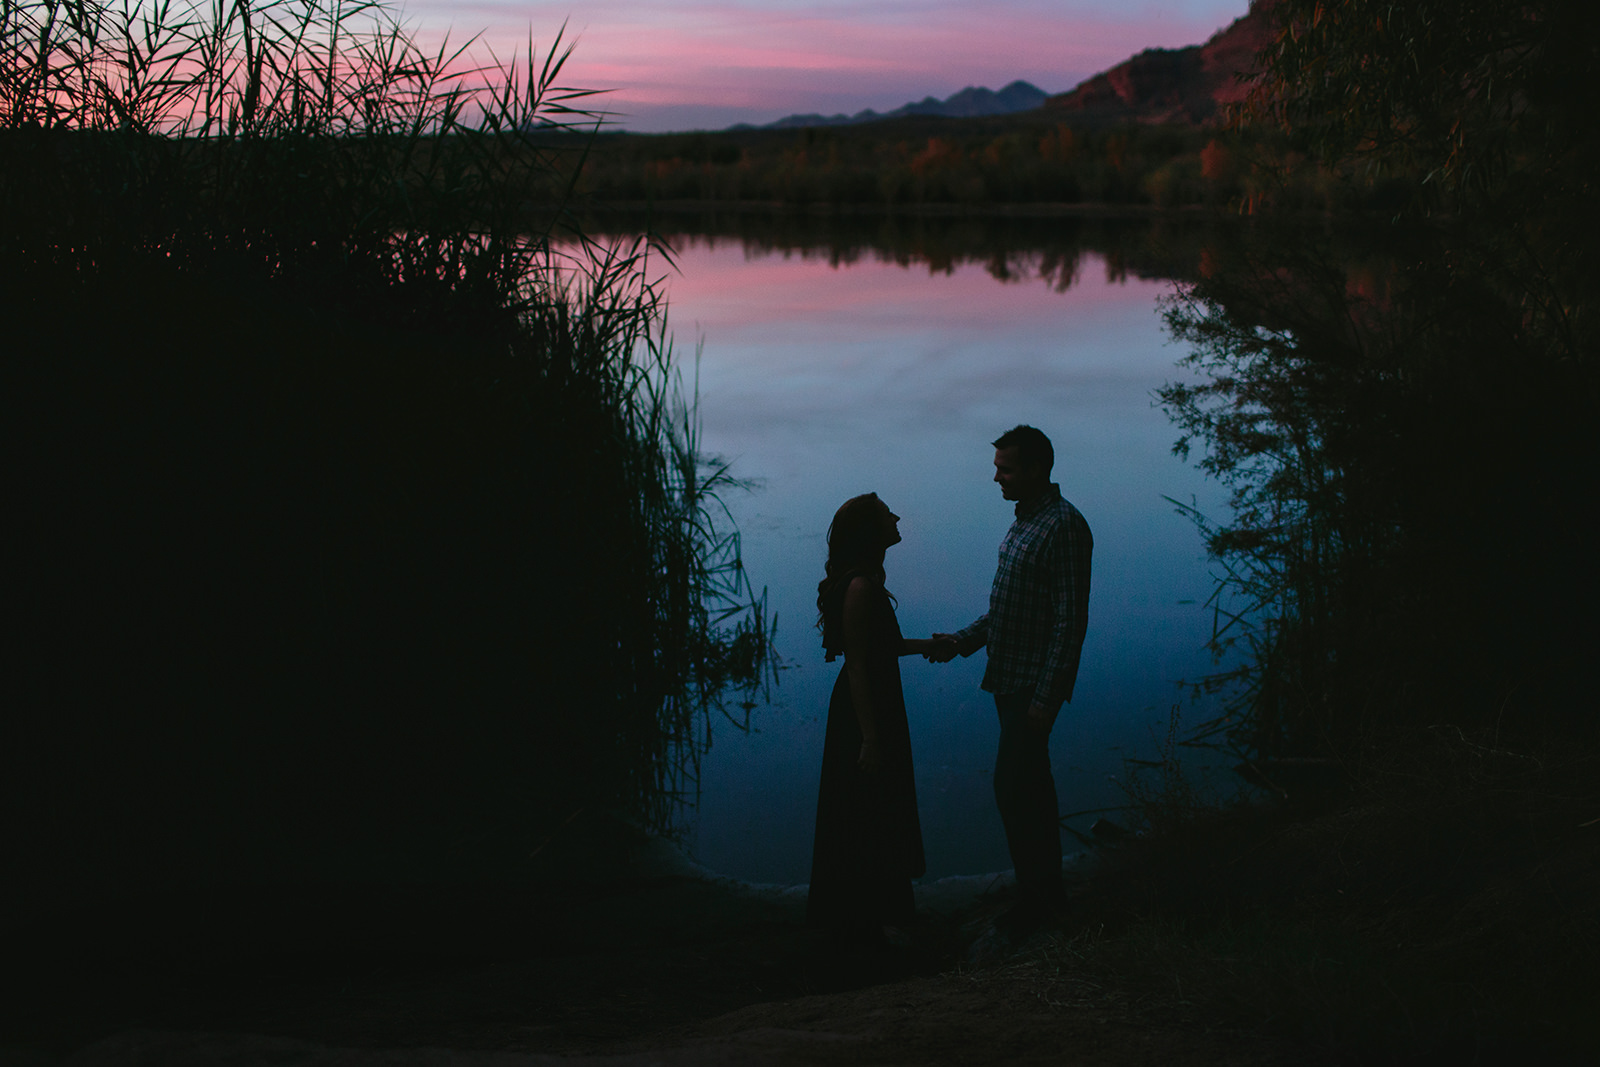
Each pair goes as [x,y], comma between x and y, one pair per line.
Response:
[917,646]
[857,619]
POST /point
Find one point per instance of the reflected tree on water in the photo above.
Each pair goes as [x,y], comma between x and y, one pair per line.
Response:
[1398,403]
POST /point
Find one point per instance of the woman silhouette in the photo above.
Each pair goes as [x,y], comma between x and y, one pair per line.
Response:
[868,838]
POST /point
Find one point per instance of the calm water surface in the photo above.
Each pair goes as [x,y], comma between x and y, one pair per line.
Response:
[820,382]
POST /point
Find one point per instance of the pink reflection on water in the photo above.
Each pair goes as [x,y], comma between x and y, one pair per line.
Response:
[825,375]
[759,286]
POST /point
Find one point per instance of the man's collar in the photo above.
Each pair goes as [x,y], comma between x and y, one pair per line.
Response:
[1027,509]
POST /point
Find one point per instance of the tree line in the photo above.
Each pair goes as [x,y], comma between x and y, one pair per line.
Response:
[1034,158]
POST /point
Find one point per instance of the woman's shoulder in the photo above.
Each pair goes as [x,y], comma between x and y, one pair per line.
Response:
[863,594]
[863,586]
[867,602]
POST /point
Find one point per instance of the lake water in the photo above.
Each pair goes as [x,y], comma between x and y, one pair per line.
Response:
[823,379]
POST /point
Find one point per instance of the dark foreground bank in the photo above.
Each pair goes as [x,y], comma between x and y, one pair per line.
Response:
[1444,911]
[626,954]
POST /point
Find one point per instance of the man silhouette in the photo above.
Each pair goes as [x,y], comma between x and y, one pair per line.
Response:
[1038,613]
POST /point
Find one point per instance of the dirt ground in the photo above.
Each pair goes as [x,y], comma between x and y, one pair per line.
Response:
[631,959]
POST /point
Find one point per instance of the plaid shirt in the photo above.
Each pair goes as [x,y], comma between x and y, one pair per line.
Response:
[1039,607]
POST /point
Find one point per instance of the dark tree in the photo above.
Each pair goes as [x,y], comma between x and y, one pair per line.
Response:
[1401,411]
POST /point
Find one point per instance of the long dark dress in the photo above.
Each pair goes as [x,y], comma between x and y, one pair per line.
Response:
[868,840]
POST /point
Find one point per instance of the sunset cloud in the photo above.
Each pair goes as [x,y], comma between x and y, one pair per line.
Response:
[687,65]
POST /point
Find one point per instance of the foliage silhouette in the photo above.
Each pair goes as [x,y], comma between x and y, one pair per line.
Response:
[1402,425]
[367,527]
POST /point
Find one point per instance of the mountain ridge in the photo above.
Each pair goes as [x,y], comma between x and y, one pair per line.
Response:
[1189,86]
[971,102]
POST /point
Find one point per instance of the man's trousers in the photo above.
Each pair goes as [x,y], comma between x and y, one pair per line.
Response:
[1025,792]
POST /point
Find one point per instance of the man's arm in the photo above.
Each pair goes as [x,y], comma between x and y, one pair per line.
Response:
[973,636]
[965,641]
[1067,564]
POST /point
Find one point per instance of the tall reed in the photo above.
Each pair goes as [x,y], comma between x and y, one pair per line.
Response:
[364,502]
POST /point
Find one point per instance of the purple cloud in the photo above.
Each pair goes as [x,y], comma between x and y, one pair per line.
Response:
[674,65]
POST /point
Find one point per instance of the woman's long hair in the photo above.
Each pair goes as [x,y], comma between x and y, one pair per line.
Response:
[855,547]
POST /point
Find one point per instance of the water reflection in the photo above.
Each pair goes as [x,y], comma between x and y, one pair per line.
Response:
[824,376]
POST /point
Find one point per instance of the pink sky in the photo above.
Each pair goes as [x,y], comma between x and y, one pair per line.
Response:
[707,64]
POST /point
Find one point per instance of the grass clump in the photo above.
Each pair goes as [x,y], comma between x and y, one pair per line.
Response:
[1445,913]
[367,528]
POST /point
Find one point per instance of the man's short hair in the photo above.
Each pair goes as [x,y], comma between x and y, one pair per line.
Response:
[1032,446]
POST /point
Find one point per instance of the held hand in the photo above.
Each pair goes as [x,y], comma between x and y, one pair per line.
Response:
[868,760]
[942,648]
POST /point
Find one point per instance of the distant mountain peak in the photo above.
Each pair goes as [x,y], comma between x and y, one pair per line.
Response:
[1188,86]
[968,103]
[1177,85]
